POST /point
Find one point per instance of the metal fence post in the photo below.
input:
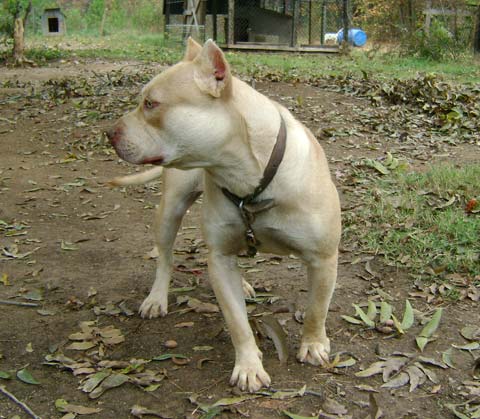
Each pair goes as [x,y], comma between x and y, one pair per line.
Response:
[345,21]
[231,22]
[214,20]
[295,19]
[323,27]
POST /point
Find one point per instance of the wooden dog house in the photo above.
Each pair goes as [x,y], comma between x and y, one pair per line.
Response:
[53,22]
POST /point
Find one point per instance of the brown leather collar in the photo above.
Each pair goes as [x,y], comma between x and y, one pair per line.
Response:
[248,208]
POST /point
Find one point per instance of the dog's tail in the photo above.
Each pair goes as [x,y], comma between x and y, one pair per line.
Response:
[137,178]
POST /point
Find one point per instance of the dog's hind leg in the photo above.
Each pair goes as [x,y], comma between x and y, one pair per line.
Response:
[180,190]
[315,346]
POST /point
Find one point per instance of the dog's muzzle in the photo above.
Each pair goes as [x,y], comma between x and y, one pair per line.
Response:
[127,150]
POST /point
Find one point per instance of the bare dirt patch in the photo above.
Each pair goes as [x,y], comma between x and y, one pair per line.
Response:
[78,249]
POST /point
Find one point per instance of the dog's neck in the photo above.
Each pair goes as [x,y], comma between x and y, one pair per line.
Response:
[238,170]
[246,154]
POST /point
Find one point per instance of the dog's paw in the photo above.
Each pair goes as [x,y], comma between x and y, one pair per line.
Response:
[315,353]
[250,375]
[248,290]
[152,307]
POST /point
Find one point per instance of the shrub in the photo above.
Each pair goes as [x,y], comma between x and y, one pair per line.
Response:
[94,14]
[75,20]
[147,15]
[439,44]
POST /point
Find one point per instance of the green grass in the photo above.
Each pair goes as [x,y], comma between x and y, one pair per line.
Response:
[123,45]
[152,47]
[414,222]
[359,64]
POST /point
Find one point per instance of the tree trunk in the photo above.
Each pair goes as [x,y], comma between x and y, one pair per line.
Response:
[411,16]
[476,39]
[19,36]
[106,8]
[345,46]
[18,42]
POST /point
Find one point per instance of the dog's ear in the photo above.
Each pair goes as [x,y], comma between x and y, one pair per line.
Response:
[212,72]
[193,49]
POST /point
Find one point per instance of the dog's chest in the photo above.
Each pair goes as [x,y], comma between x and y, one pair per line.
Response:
[268,233]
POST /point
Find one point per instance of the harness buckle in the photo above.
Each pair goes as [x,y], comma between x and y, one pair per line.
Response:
[252,242]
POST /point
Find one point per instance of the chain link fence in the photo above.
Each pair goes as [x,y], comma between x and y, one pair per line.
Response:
[282,23]
[286,22]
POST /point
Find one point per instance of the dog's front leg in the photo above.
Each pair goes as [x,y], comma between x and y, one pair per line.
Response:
[167,223]
[226,282]
[180,190]
[315,346]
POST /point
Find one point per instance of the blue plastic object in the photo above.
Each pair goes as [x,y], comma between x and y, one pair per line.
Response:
[356,37]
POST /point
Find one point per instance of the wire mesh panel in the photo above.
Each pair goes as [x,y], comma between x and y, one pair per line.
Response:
[319,18]
[200,19]
[184,18]
[286,22]
[179,32]
[263,21]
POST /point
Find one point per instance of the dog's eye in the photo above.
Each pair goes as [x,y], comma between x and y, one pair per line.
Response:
[150,104]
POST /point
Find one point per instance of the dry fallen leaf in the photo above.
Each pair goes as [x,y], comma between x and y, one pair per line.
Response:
[202,361]
[289,394]
[392,366]
[295,416]
[416,376]
[112,381]
[429,329]
[140,411]
[375,368]
[365,387]
[184,324]
[375,411]
[333,407]
[4,280]
[65,407]
[471,332]
[81,346]
[275,332]
[398,381]
[202,307]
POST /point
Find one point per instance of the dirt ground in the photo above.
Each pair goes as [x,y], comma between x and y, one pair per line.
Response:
[88,251]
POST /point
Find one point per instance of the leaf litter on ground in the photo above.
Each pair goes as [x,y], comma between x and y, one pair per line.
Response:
[92,336]
[97,373]
[223,403]
[401,369]
[387,322]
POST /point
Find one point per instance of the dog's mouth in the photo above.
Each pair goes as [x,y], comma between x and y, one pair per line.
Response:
[157,161]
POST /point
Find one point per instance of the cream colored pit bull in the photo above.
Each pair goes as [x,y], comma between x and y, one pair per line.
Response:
[266,186]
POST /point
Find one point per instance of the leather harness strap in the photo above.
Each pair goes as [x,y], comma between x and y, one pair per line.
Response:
[248,208]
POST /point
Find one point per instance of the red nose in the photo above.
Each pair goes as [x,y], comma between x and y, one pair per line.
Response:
[114,134]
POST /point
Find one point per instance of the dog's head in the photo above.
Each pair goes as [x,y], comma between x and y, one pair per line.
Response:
[183,112]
